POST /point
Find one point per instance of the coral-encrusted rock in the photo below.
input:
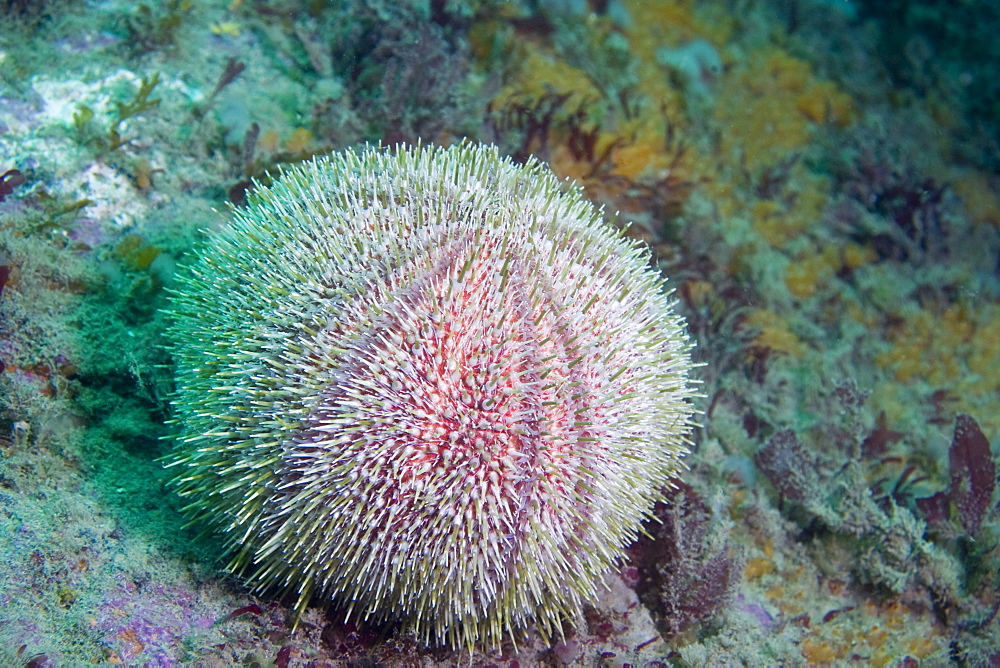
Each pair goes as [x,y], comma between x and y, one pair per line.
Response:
[428,385]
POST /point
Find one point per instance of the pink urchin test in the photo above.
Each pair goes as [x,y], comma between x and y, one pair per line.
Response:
[427,385]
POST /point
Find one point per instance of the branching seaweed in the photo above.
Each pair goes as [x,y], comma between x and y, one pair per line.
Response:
[140,103]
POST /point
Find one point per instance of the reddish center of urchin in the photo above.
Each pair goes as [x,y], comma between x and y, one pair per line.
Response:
[453,427]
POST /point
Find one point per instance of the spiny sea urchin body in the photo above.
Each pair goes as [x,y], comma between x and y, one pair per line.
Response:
[428,385]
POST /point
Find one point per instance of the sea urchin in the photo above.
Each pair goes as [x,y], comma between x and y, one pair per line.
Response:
[428,385]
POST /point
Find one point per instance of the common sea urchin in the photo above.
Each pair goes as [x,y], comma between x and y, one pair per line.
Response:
[429,385]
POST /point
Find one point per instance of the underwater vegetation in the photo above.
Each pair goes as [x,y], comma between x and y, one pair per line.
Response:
[817,181]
